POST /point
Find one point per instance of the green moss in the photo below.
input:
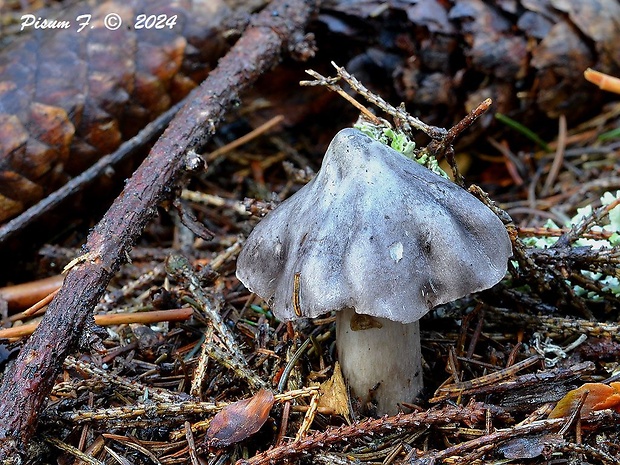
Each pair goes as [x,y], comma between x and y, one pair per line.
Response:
[400,142]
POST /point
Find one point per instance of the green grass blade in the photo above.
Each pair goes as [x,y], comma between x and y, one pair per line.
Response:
[523,130]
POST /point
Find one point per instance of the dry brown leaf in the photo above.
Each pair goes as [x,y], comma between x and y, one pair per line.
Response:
[240,420]
[334,394]
[600,397]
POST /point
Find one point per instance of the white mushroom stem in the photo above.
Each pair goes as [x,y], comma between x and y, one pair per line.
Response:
[384,364]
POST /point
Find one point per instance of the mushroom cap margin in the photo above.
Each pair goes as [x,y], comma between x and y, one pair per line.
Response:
[374,231]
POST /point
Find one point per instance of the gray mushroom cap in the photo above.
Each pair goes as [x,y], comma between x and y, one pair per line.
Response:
[374,231]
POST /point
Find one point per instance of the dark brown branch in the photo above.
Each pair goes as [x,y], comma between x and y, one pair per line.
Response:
[30,378]
[466,122]
[443,147]
[584,225]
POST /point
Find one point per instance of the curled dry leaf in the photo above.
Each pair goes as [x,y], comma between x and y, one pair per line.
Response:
[334,394]
[600,397]
[240,420]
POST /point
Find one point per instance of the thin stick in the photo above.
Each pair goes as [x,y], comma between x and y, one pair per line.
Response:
[179,267]
[557,232]
[191,445]
[558,159]
[367,428]
[398,113]
[330,83]
[466,122]
[120,383]
[143,413]
[586,223]
[602,80]
[77,453]
[459,388]
[496,438]
[200,372]
[23,295]
[246,138]
[156,316]
[442,139]
[36,309]
[308,417]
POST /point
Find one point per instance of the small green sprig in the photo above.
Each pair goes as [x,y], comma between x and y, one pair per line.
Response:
[400,142]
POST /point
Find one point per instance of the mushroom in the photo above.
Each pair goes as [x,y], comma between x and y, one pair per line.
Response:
[381,240]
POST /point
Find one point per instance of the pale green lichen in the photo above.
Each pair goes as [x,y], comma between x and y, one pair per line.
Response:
[400,142]
[610,283]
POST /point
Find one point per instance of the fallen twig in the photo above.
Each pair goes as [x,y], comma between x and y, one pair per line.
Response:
[602,80]
[442,139]
[470,414]
[455,390]
[585,224]
[35,309]
[26,294]
[144,318]
[87,369]
[496,438]
[142,414]
[246,138]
